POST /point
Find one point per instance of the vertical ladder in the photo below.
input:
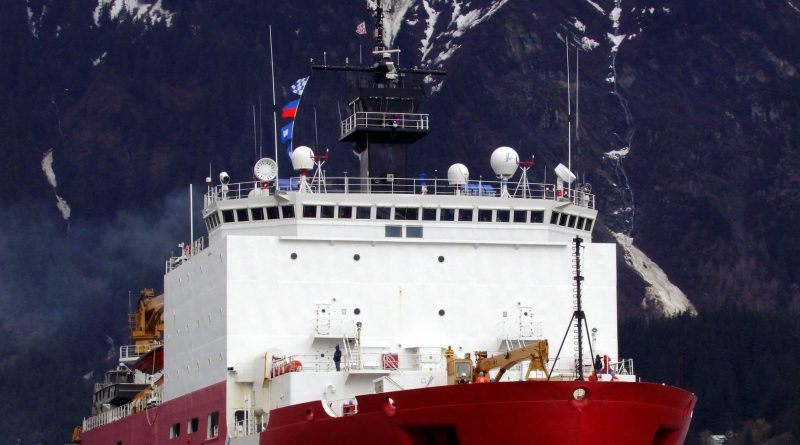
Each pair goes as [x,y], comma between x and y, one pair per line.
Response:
[575,263]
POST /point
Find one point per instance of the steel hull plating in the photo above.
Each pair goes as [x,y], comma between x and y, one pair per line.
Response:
[542,412]
[611,413]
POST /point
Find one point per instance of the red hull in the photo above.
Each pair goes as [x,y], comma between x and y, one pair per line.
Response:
[528,412]
[152,427]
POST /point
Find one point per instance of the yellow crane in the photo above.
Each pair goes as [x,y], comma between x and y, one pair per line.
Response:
[536,353]
[147,323]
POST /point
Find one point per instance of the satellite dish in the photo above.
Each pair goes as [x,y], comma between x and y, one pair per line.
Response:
[457,174]
[504,161]
[265,169]
[303,158]
[564,174]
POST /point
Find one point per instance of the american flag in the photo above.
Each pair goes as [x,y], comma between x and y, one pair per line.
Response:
[361,29]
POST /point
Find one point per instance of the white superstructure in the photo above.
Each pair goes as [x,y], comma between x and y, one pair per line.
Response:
[391,272]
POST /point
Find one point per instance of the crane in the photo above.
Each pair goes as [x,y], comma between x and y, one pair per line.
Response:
[536,352]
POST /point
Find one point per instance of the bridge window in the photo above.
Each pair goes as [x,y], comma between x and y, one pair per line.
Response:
[363,212]
[520,216]
[588,226]
[581,221]
[383,212]
[345,212]
[572,219]
[484,215]
[326,211]
[242,215]
[537,216]
[309,211]
[465,215]
[406,213]
[287,211]
[428,214]
[554,218]
[447,215]
[258,214]
[503,216]
[562,220]
[227,216]
[272,213]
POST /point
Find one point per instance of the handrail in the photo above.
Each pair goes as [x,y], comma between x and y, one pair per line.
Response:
[150,400]
[400,186]
[380,119]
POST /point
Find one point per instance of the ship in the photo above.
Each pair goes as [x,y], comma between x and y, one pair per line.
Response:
[385,308]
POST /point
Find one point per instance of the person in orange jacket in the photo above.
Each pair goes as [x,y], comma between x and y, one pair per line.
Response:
[482,378]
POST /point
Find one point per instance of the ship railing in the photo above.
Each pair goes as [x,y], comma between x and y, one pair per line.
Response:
[150,400]
[379,119]
[369,361]
[130,352]
[187,252]
[401,186]
[245,427]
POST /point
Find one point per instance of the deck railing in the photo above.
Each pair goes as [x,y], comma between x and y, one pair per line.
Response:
[401,186]
[131,352]
[150,400]
[377,119]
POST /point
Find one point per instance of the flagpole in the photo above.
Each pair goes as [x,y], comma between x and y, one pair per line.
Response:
[274,111]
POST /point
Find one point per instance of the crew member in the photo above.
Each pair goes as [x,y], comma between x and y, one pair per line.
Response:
[337,358]
[482,378]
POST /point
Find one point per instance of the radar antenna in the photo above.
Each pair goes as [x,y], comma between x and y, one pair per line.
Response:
[578,318]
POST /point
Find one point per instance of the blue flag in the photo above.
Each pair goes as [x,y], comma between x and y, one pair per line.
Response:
[286,132]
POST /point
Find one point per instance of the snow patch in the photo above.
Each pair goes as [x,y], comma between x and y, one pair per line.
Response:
[596,6]
[588,44]
[427,43]
[393,19]
[617,154]
[462,19]
[578,25]
[35,20]
[99,60]
[616,40]
[665,9]
[47,168]
[50,174]
[661,293]
[614,16]
[787,1]
[150,13]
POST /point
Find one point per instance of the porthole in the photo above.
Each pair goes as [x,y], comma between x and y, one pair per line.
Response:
[356,257]
[293,256]
[356,311]
[441,259]
[441,312]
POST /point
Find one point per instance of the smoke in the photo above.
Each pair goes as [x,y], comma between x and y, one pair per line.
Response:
[55,281]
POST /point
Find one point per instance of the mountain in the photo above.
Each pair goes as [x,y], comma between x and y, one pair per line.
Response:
[687,131]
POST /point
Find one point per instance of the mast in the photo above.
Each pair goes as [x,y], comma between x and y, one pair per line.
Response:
[384,119]
[274,110]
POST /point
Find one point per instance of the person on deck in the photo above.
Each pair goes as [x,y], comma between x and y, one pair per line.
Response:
[337,358]
[482,378]
[598,363]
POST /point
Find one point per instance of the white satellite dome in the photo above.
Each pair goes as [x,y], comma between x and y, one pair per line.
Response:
[457,174]
[303,158]
[504,161]
[564,174]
